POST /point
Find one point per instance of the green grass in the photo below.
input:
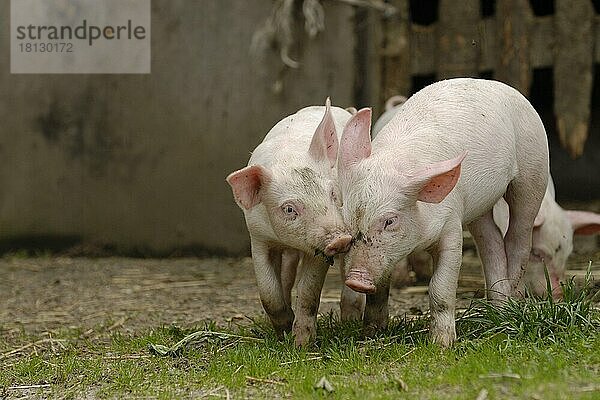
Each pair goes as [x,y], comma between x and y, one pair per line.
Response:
[528,349]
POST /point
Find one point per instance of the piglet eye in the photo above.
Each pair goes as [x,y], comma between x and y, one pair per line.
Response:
[289,210]
[388,222]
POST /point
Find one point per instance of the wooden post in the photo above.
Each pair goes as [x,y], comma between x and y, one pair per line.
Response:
[573,65]
[395,65]
[367,66]
[513,65]
[458,44]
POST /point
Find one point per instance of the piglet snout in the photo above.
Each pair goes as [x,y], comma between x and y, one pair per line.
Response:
[556,290]
[360,281]
[340,244]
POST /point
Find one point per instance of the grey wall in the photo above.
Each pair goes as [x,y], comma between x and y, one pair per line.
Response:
[139,161]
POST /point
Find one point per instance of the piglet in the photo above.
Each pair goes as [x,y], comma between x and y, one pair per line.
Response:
[445,158]
[290,200]
[552,240]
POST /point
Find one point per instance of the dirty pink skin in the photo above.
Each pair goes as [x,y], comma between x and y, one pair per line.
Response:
[552,241]
[290,199]
[447,156]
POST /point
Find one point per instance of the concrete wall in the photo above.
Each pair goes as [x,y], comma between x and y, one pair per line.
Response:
[139,161]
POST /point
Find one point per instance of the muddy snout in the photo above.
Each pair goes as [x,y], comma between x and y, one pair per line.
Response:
[555,284]
[360,281]
[340,244]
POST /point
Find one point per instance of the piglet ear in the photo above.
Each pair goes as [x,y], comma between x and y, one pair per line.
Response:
[246,184]
[584,222]
[355,144]
[324,144]
[433,184]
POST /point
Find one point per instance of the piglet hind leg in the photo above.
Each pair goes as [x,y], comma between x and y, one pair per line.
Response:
[524,197]
[310,283]
[490,246]
[267,269]
[447,258]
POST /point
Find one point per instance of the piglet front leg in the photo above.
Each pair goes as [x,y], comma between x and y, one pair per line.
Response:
[310,283]
[267,269]
[376,309]
[442,287]
[352,304]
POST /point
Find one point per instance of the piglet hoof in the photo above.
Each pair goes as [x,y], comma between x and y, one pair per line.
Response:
[283,325]
[338,245]
[371,329]
[351,308]
[350,314]
[500,301]
[281,331]
[304,333]
[445,338]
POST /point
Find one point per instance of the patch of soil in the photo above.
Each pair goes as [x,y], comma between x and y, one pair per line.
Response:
[52,293]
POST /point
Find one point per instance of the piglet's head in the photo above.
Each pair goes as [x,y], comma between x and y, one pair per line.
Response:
[380,203]
[552,243]
[296,200]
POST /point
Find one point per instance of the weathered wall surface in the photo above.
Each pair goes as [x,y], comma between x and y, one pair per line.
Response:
[139,161]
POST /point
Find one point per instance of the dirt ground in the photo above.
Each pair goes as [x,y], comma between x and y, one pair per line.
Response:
[52,293]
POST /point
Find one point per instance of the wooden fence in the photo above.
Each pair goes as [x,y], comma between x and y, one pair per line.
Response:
[510,44]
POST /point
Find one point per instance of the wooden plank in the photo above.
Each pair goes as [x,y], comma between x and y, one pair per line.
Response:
[367,66]
[541,45]
[597,38]
[514,19]
[542,41]
[395,57]
[573,73]
[487,44]
[423,43]
[422,48]
[457,40]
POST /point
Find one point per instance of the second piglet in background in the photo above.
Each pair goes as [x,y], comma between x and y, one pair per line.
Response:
[552,241]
